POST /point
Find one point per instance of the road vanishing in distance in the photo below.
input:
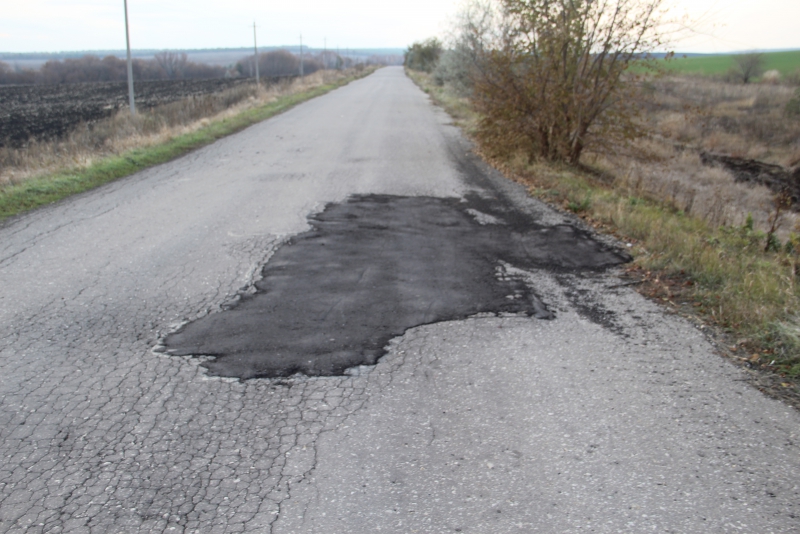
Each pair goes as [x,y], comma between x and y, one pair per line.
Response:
[532,393]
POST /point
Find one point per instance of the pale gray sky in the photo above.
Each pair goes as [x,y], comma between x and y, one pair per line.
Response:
[58,25]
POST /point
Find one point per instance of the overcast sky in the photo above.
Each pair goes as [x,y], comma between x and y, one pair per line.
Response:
[59,25]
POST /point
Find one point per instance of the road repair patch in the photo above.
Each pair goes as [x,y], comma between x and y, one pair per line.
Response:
[371,268]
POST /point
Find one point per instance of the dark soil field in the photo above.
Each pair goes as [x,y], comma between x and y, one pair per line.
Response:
[49,111]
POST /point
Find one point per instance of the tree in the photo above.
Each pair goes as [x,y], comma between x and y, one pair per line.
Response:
[423,56]
[172,63]
[465,47]
[551,77]
[748,66]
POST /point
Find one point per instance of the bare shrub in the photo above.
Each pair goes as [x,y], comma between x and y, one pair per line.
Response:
[455,68]
[553,77]
[457,65]
[748,66]
[172,63]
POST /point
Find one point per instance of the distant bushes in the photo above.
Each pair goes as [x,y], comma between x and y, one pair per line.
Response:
[8,75]
[454,68]
[168,65]
[283,63]
[746,67]
[423,56]
[164,66]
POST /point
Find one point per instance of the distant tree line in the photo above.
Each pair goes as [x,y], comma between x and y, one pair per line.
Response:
[277,63]
[169,65]
[164,66]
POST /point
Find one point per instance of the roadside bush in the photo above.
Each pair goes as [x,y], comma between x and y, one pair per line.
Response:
[423,56]
[455,68]
[553,76]
[459,65]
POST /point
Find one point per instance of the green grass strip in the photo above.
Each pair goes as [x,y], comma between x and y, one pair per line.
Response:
[785,62]
[30,194]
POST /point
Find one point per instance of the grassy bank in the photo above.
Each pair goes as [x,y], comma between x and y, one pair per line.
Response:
[31,191]
[720,275]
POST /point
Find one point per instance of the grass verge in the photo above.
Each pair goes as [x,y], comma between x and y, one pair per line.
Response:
[720,276]
[45,189]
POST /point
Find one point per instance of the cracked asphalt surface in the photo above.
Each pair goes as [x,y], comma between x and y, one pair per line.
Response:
[373,267]
[613,417]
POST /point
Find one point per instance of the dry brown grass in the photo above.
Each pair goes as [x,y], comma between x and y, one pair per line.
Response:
[687,115]
[710,194]
[123,132]
[746,121]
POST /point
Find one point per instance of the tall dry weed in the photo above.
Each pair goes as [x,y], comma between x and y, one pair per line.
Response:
[708,193]
[747,121]
[687,115]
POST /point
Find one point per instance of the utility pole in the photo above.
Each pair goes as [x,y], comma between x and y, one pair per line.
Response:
[301,55]
[130,62]
[255,50]
[325,52]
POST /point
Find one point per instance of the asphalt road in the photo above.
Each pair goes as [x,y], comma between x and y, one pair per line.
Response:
[613,416]
[372,268]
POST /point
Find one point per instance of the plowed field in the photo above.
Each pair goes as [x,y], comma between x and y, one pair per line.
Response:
[48,111]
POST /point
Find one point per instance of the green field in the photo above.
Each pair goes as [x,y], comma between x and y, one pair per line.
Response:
[784,62]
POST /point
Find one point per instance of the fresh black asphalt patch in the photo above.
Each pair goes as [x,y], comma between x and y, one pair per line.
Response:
[373,267]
